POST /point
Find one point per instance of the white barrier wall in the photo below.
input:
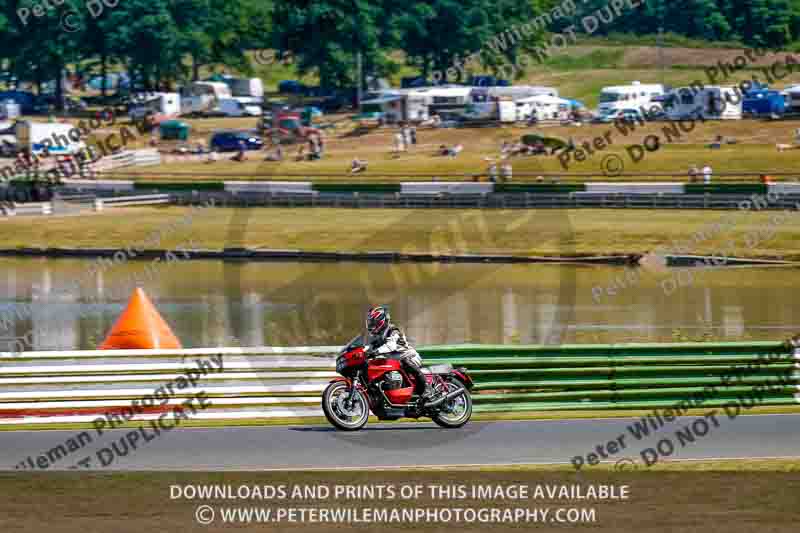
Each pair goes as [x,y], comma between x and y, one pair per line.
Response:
[635,188]
[288,187]
[445,187]
[784,188]
[100,185]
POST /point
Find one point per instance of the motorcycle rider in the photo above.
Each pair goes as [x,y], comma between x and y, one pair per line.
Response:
[389,341]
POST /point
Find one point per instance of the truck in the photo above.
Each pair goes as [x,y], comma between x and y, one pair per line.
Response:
[286,127]
[57,138]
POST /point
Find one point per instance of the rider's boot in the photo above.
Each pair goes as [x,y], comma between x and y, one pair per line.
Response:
[426,397]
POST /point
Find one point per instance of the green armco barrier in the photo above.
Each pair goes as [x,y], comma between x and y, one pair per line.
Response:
[624,376]
[180,185]
[541,188]
[381,188]
[726,188]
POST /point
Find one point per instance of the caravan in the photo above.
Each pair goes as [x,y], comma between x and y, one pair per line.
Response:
[161,105]
[518,92]
[203,97]
[712,102]
[634,96]
[397,106]
[441,99]
[542,108]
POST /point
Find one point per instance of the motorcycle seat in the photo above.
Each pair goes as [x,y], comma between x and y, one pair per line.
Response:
[444,368]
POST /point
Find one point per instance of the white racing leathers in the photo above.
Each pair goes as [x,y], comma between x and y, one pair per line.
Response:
[393,341]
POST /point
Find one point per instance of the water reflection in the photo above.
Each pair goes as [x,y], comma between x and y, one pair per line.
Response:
[208,303]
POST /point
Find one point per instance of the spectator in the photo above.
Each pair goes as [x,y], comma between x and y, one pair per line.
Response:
[693,173]
[399,143]
[707,171]
[492,172]
[212,157]
[358,166]
[506,148]
[316,152]
[413,131]
[406,131]
[276,155]
[301,153]
[443,150]
[506,172]
[455,150]
[240,155]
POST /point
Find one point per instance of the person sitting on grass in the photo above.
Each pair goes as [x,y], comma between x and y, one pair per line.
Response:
[276,155]
[452,152]
[358,166]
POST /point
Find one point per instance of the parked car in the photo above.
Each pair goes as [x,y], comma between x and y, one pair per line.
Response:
[230,141]
[232,107]
[628,115]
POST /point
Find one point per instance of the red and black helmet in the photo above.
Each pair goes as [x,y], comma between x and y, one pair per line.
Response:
[377,320]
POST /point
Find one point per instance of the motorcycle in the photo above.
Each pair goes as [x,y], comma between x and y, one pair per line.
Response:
[373,382]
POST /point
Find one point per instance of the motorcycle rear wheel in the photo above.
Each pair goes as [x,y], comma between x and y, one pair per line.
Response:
[456,412]
[338,414]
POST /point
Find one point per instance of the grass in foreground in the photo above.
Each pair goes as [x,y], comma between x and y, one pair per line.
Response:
[749,496]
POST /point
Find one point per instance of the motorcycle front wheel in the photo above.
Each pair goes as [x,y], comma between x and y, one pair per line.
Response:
[344,415]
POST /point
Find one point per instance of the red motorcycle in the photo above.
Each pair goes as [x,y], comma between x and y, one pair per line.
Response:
[380,385]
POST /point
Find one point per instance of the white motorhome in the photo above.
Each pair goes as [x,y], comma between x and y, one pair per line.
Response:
[543,107]
[247,87]
[633,96]
[518,92]
[711,102]
[58,138]
[167,104]
[203,96]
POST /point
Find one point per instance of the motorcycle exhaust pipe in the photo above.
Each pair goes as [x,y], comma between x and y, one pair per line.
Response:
[450,396]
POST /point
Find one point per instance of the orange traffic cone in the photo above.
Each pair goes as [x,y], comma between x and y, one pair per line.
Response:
[140,327]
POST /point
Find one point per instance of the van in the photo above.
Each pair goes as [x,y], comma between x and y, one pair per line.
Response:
[57,138]
[636,96]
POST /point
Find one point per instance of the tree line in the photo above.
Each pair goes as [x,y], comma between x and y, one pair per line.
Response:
[167,41]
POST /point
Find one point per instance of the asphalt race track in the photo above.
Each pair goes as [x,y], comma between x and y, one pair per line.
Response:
[402,445]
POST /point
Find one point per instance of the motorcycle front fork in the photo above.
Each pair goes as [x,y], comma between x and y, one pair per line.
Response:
[351,395]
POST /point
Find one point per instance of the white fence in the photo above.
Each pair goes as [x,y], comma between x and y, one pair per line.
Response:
[122,201]
[79,386]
